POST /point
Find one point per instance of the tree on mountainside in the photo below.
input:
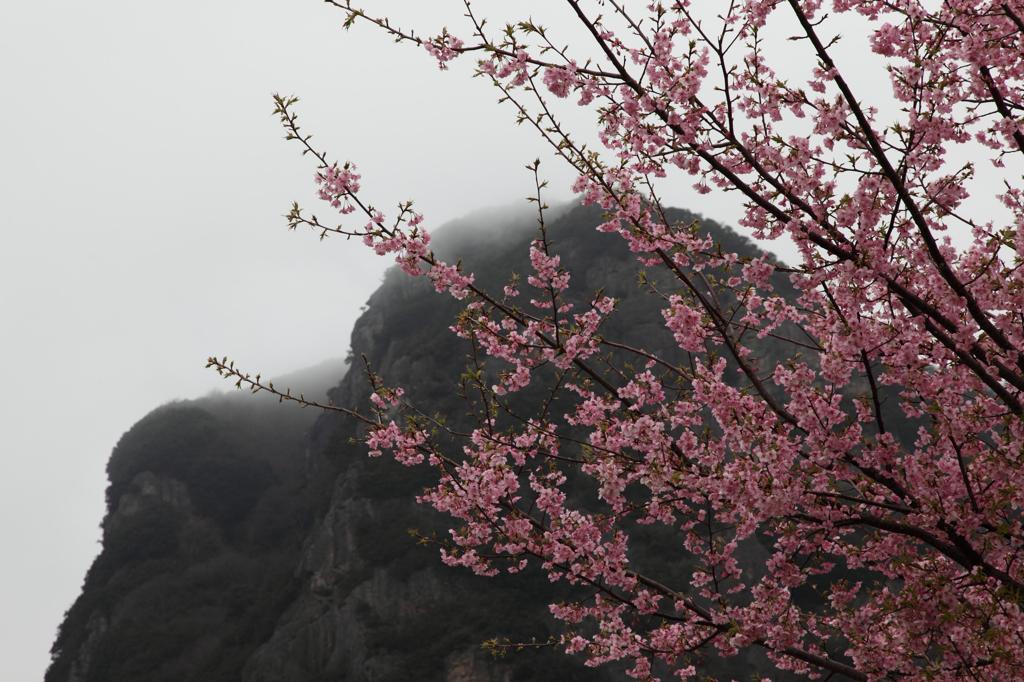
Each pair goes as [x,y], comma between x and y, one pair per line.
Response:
[889,555]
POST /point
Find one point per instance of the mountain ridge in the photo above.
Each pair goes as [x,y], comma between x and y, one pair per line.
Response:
[284,555]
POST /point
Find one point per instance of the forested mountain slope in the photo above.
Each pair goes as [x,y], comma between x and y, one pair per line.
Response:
[249,540]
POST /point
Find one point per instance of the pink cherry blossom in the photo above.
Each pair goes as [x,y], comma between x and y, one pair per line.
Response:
[858,414]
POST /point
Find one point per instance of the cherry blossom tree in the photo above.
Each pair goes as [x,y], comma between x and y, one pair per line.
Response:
[909,308]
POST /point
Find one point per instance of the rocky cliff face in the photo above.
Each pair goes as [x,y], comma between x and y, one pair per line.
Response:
[241,545]
[376,605]
[207,509]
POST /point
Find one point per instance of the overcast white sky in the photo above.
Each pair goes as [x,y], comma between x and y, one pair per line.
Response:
[142,184]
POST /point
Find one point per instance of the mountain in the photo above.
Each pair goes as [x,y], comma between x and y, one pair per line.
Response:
[246,540]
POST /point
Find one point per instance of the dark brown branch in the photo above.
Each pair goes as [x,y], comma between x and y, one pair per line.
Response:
[874,391]
[1001,106]
[958,549]
[901,189]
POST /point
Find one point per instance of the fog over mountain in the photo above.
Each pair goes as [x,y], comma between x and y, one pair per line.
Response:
[255,541]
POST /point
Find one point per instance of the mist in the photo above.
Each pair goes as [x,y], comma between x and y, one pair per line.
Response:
[144,183]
